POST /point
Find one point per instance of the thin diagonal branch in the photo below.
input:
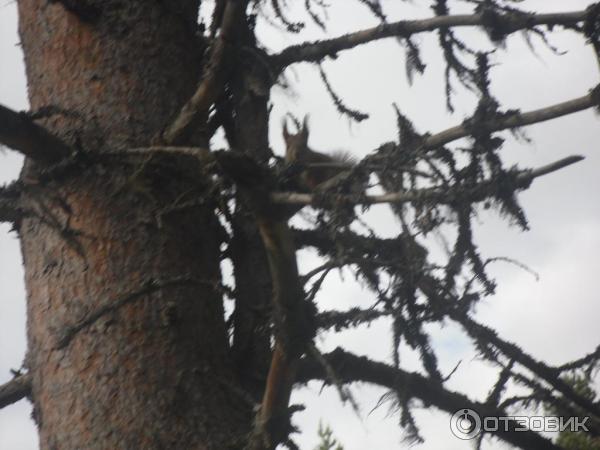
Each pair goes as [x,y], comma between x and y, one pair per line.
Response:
[214,78]
[578,363]
[15,390]
[442,195]
[351,368]
[517,119]
[20,133]
[480,332]
[315,51]
[148,287]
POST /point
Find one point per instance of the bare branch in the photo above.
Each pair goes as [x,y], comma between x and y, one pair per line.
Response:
[148,287]
[15,390]
[517,119]
[214,78]
[441,194]
[20,133]
[315,51]
[553,167]
[351,368]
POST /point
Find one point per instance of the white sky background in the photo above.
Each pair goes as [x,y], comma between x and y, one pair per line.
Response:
[555,318]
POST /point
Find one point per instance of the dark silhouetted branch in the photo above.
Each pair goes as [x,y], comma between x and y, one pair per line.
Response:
[512,351]
[442,195]
[350,368]
[15,390]
[20,133]
[315,51]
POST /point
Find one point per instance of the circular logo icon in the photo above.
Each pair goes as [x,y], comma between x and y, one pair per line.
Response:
[465,424]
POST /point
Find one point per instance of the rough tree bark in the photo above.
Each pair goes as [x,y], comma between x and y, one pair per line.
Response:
[114,73]
[115,208]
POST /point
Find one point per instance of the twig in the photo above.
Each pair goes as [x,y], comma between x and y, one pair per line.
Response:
[340,320]
[148,286]
[587,359]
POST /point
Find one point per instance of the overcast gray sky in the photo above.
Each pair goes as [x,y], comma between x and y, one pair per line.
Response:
[554,318]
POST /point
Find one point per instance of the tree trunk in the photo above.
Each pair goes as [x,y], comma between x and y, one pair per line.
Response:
[127,342]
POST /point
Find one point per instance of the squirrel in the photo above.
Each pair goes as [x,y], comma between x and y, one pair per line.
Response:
[316,167]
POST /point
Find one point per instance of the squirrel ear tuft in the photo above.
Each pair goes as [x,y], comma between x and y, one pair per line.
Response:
[286,133]
[304,130]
